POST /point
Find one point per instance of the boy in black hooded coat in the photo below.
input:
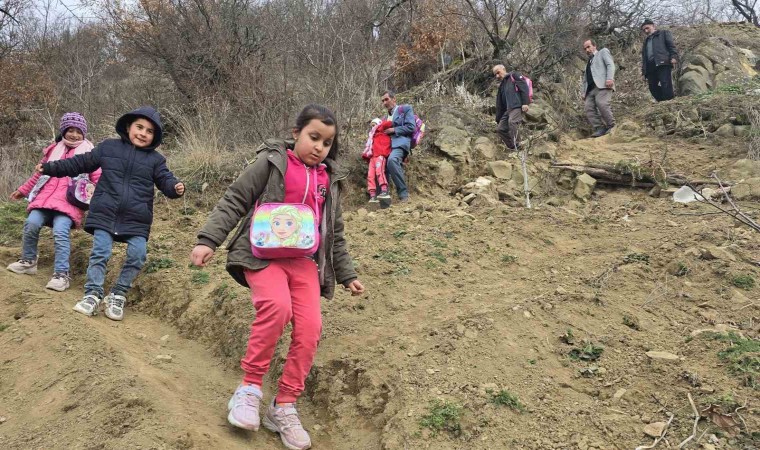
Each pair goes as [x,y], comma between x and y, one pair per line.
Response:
[121,208]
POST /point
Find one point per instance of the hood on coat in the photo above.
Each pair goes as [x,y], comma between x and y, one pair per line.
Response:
[145,112]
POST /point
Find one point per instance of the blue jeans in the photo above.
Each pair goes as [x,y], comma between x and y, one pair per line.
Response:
[395,169]
[102,246]
[61,224]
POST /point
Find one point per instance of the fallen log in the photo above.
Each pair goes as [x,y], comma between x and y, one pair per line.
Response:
[622,176]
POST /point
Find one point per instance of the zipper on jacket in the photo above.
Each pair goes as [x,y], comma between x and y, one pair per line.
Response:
[332,226]
[306,188]
[125,189]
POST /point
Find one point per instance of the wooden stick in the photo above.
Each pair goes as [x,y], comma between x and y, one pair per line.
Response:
[657,441]
[696,421]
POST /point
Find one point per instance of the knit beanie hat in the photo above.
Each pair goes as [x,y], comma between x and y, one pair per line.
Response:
[75,120]
[647,22]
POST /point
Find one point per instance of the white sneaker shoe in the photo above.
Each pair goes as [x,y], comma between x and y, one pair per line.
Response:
[24,266]
[244,407]
[89,305]
[60,282]
[115,306]
[284,420]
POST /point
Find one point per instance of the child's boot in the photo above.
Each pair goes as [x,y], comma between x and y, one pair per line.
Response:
[384,195]
[373,199]
[89,305]
[115,306]
[24,266]
[244,407]
[60,282]
[284,419]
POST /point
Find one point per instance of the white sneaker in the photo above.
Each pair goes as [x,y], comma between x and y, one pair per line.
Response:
[115,306]
[24,266]
[244,407]
[284,420]
[89,305]
[59,282]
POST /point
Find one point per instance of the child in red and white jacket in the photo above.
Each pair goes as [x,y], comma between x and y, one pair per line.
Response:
[376,151]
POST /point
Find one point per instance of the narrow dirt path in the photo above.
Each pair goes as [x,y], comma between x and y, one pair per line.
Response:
[69,381]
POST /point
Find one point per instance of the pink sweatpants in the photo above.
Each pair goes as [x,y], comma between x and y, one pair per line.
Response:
[377,170]
[285,291]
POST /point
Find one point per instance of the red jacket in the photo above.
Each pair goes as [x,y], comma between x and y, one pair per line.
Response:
[381,142]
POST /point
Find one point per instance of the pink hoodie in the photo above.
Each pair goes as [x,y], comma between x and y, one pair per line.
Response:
[296,177]
[53,194]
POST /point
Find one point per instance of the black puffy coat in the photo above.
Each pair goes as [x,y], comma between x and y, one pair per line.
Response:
[123,200]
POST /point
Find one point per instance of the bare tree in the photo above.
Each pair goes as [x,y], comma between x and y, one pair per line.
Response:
[748,10]
[503,20]
[10,11]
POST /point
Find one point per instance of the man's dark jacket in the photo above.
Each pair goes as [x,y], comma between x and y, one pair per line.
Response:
[508,98]
[663,48]
[123,200]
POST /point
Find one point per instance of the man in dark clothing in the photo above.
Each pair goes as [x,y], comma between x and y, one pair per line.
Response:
[512,102]
[658,56]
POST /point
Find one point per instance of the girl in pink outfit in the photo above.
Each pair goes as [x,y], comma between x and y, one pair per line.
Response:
[48,204]
[286,289]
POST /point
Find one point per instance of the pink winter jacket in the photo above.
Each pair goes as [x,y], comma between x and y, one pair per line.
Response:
[53,194]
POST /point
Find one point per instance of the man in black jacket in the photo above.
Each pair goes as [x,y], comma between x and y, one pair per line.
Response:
[512,102]
[658,56]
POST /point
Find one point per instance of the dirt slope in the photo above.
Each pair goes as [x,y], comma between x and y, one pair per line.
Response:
[71,382]
[462,304]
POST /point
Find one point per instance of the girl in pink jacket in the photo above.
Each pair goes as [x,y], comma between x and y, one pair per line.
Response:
[49,206]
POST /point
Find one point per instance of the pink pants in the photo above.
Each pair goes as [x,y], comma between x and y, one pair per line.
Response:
[377,169]
[285,291]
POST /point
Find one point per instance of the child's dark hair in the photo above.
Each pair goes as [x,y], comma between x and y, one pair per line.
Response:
[324,115]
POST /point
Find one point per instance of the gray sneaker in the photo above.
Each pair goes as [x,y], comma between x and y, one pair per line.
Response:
[24,266]
[284,420]
[60,282]
[115,306]
[89,305]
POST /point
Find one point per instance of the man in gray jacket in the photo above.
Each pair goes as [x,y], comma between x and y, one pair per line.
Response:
[598,85]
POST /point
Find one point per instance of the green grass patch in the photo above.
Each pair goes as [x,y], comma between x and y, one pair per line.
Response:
[506,398]
[401,271]
[438,255]
[200,277]
[682,269]
[399,234]
[154,265]
[631,322]
[222,293]
[443,416]
[744,281]
[3,327]
[636,257]
[508,259]
[727,402]
[743,357]
[392,256]
[12,216]
[589,352]
[437,243]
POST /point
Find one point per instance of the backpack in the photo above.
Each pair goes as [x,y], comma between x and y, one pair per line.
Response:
[528,81]
[419,132]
